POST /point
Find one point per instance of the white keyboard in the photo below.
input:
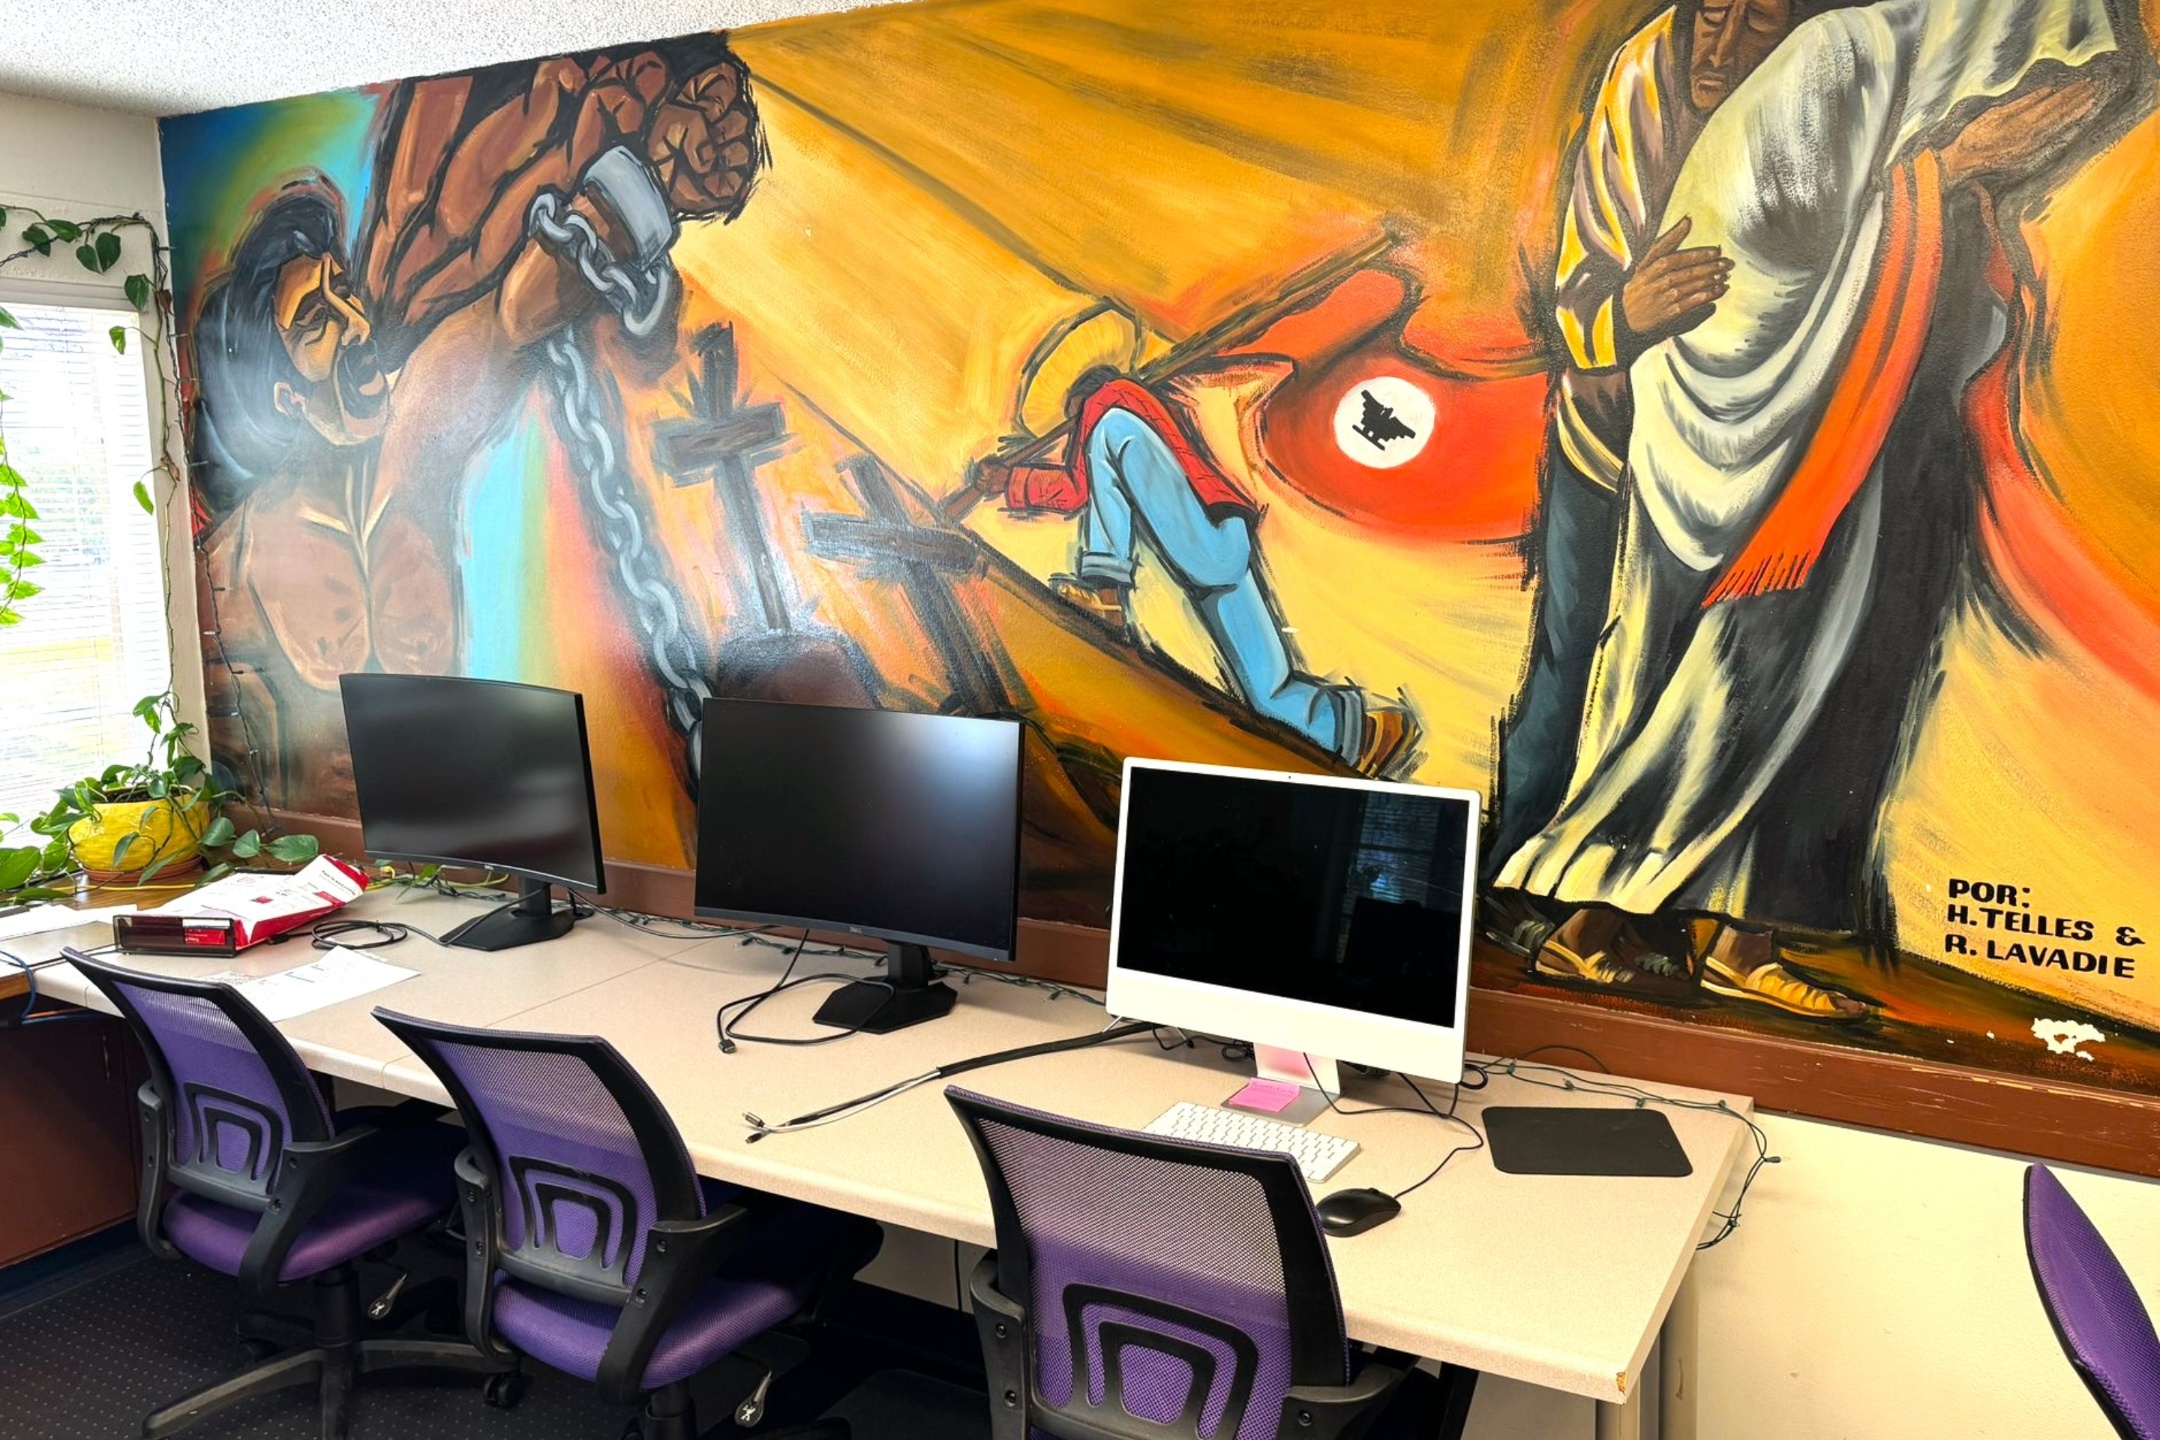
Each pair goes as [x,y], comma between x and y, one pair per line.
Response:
[1318,1155]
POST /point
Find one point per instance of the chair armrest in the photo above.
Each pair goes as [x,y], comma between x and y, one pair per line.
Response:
[309,1173]
[480,1209]
[1344,1412]
[680,1256]
[157,1187]
[1001,1325]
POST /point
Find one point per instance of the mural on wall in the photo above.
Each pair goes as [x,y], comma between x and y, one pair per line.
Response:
[1708,430]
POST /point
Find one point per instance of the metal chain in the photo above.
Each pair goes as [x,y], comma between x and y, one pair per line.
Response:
[591,419]
[639,296]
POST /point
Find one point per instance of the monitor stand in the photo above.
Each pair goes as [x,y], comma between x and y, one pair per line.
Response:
[1318,1080]
[907,996]
[530,918]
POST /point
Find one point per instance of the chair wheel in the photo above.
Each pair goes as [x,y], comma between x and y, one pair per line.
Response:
[504,1390]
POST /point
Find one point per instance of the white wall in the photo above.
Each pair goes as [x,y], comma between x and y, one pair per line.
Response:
[75,162]
[1876,1290]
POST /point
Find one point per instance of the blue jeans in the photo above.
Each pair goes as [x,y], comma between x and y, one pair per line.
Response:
[1138,490]
[1579,529]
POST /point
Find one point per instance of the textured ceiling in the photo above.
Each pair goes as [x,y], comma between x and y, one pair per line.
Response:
[167,57]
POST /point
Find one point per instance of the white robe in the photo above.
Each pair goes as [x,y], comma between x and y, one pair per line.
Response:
[1694,715]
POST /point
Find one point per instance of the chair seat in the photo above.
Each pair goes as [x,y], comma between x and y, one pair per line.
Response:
[763,1284]
[408,1187]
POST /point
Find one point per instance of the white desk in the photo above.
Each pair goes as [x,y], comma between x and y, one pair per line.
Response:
[1560,1282]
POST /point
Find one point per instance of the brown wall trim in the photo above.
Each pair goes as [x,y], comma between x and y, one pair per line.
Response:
[2080,1125]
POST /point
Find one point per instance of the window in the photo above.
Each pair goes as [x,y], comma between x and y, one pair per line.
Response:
[93,641]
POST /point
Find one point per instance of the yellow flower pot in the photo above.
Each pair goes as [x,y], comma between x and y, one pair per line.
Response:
[96,841]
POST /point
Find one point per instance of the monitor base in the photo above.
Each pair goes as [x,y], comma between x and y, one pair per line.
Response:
[907,996]
[1318,1080]
[869,1008]
[527,920]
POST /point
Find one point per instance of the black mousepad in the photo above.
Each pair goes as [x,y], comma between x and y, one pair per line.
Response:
[1569,1140]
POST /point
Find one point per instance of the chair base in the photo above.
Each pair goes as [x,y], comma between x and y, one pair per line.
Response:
[334,1358]
[332,1371]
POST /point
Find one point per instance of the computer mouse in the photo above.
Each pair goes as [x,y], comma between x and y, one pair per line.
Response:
[1353,1212]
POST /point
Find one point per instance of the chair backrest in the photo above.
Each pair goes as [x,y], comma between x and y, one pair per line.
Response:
[585,1159]
[1178,1283]
[2097,1315]
[233,1092]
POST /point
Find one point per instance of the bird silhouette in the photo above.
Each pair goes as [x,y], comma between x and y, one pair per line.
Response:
[1379,425]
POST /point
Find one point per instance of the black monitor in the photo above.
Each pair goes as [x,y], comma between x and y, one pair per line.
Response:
[482,773]
[882,823]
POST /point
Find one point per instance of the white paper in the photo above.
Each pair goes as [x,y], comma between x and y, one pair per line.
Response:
[39,919]
[340,975]
[254,899]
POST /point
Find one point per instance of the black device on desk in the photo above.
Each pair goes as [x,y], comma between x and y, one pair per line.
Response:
[483,773]
[881,823]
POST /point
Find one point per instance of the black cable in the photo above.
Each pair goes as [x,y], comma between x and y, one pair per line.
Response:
[730,1036]
[1445,1116]
[760,1128]
[1475,1133]
[328,934]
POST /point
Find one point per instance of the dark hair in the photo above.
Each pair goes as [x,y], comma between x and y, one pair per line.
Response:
[239,357]
[1091,380]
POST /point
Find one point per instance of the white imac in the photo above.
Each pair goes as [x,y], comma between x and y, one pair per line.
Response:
[1322,919]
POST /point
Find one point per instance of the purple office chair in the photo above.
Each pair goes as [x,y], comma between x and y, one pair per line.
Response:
[1145,1288]
[595,1248]
[246,1170]
[2096,1313]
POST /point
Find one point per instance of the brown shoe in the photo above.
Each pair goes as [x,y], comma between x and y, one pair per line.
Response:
[1773,985]
[1104,604]
[1390,736]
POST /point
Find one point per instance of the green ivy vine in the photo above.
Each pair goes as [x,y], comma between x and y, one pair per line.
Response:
[98,245]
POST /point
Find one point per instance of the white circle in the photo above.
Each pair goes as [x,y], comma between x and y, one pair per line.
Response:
[1383,422]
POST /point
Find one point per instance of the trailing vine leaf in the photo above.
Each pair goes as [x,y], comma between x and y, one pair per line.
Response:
[138,291]
[108,251]
[66,230]
[7,321]
[142,498]
[86,256]
[248,846]
[118,336]
[40,239]
[293,849]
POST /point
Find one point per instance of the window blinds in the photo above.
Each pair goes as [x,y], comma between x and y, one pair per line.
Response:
[77,421]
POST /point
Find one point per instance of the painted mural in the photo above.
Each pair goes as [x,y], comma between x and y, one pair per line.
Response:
[1715,431]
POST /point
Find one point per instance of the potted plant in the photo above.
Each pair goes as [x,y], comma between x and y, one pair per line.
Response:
[131,823]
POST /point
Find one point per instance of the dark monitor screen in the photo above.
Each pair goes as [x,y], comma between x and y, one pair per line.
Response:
[1329,894]
[883,822]
[474,772]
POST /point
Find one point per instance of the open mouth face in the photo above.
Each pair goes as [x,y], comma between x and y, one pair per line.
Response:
[326,334]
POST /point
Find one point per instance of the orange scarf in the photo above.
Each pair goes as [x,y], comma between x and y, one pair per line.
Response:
[1869,393]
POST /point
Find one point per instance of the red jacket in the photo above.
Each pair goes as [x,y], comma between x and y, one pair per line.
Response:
[1064,488]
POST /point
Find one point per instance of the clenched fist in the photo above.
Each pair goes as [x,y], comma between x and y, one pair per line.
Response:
[705,145]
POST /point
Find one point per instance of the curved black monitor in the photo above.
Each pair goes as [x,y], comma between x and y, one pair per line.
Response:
[484,773]
[882,823]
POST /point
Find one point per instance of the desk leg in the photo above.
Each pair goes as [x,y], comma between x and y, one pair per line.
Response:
[1678,1354]
[1627,1419]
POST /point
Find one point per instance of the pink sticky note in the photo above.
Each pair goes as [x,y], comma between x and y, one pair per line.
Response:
[1271,1096]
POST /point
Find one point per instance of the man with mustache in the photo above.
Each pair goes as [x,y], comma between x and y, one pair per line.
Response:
[1625,282]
